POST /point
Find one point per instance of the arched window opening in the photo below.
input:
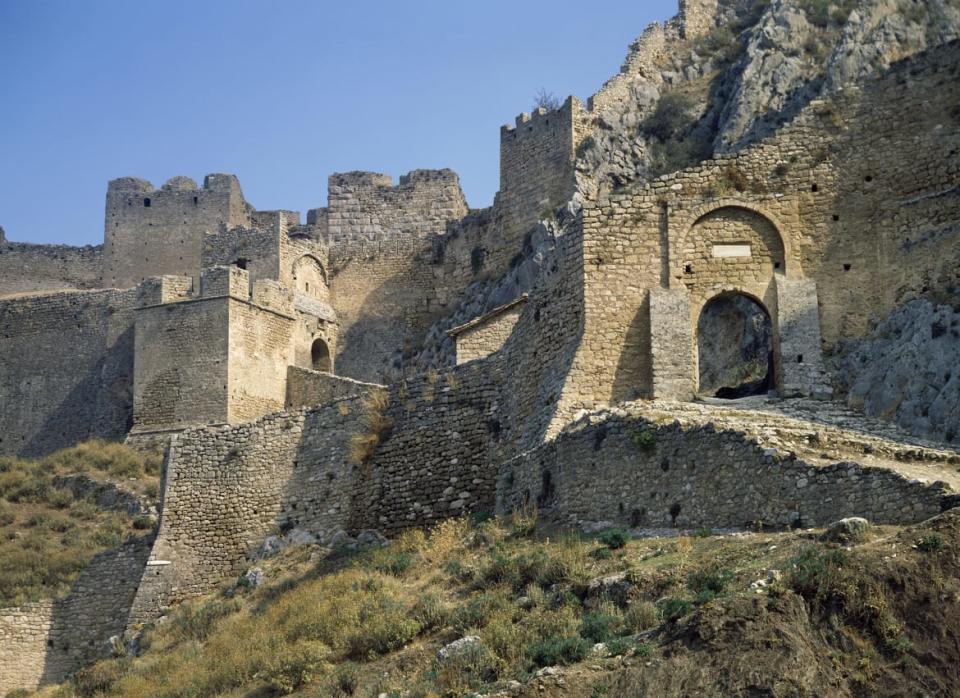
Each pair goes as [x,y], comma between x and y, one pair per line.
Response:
[320,356]
[734,348]
[309,278]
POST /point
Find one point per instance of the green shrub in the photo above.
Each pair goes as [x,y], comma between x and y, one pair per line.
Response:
[347,678]
[381,630]
[467,670]
[815,570]
[431,612]
[98,678]
[477,611]
[671,118]
[559,650]
[674,609]
[708,583]
[932,543]
[289,670]
[640,616]
[601,626]
[614,538]
[392,562]
[644,438]
[601,553]
[197,621]
[142,522]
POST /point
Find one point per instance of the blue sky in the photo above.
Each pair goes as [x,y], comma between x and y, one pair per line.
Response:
[280,93]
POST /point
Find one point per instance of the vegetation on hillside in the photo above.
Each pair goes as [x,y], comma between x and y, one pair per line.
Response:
[371,622]
[46,534]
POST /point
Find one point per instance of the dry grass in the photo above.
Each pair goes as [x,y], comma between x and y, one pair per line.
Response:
[376,622]
[46,535]
[377,427]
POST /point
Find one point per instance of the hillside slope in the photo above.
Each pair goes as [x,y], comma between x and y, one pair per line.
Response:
[760,614]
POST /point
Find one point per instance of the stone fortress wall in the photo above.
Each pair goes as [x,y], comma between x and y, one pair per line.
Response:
[46,641]
[630,471]
[815,205]
[227,488]
[28,268]
[839,218]
[66,369]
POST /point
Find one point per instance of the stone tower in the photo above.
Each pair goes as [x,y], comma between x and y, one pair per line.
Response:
[697,17]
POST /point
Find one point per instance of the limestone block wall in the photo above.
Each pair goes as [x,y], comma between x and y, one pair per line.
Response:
[306,388]
[260,349]
[367,205]
[150,232]
[25,267]
[671,341]
[632,472]
[863,203]
[182,364]
[44,642]
[227,488]
[256,249]
[437,460]
[537,156]
[66,369]
[487,334]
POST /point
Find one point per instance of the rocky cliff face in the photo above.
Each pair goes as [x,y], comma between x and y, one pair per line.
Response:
[907,370]
[680,100]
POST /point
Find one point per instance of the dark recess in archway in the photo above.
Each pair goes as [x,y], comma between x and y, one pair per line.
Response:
[320,356]
[735,348]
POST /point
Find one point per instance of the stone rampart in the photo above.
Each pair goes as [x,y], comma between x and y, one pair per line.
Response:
[66,369]
[25,267]
[44,642]
[306,388]
[227,488]
[631,471]
[438,459]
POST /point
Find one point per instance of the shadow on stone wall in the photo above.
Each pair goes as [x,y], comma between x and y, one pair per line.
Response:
[95,610]
[99,405]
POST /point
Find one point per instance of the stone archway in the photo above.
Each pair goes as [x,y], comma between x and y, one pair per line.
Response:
[310,278]
[735,347]
[320,359]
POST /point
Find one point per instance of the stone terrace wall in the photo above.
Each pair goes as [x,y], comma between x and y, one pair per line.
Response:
[306,388]
[44,642]
[228,488]
[66,369]
[439,460]
[25,267]
[631,472]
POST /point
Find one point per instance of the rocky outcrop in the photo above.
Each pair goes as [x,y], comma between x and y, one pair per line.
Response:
[795,54]
[907,370]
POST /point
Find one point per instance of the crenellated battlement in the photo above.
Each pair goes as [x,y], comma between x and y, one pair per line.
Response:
[154,232]
[368,205]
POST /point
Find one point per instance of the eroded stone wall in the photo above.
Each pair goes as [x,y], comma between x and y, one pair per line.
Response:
[437,460]
[487,336]
[306,388]
[632,472]
[44,642]
[227,488]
